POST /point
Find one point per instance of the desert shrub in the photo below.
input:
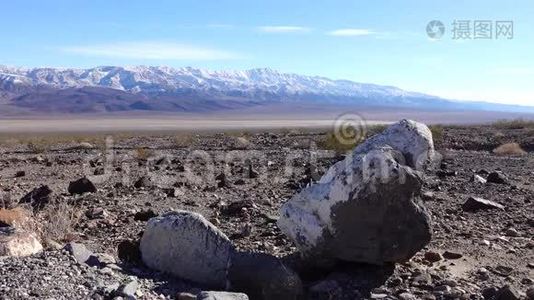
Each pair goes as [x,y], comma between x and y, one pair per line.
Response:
[514,124]
[57,221]
[350,139]
[509,149]
[376,129]
[183,140]
[37,146]
[437,133]
[240,142]
[332,142]
[143,153]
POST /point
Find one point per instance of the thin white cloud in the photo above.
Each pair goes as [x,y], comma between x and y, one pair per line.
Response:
[284,29]
[150,51]
[351,32]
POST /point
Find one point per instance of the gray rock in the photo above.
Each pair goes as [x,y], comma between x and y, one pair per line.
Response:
[475,203]
[79,252]
[263,276]
[210,295]
[185,244]
[129,289]
[367,207]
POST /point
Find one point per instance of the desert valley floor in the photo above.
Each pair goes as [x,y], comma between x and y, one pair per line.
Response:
[472,255]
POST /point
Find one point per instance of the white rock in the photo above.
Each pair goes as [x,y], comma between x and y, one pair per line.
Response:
[366,208]
[221,296]
[185,244]
[18,243]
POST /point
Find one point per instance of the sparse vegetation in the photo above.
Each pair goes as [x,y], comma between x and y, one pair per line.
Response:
[57,226]
[143,153]
[514,124]
[437,133]
[38,146]
[351,140]
[183,140]
[332,142]
[509,149]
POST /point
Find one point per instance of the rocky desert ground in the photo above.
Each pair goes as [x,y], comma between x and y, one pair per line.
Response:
[87,200]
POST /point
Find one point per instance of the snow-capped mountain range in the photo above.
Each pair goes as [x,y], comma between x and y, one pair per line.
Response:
[111,88]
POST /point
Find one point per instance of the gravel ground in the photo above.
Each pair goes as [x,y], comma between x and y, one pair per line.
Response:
[471,253]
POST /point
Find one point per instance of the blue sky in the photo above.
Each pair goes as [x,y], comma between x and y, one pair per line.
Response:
[383,42]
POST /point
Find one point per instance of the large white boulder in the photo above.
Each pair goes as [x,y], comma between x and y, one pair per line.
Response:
[185,244]
[366,208]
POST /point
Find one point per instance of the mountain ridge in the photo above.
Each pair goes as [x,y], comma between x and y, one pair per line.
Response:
[161,88]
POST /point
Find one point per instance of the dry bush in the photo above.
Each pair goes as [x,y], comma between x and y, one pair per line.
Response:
[57,221]
[498,134]
[241,142]
[143,153]
[437,133]
[509,149]
[514,124]
[376,129]
[183,140]
[331,142]
[38,146]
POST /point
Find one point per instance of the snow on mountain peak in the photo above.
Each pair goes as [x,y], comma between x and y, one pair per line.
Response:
[149,79]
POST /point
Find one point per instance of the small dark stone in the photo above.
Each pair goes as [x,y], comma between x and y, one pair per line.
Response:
[252,173]
[239,181]
[452,255]
[489,293]
[95,213]
[99,171]
[474,204]
[221,180]
[443,173]
[162,161]
[81,186]
[235,208]
[38,197]
[497,177]
[507,293]
[20,174]
[482,172]
[503,270]
[128,251]
[143,182]
[145,215]
[432,256]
